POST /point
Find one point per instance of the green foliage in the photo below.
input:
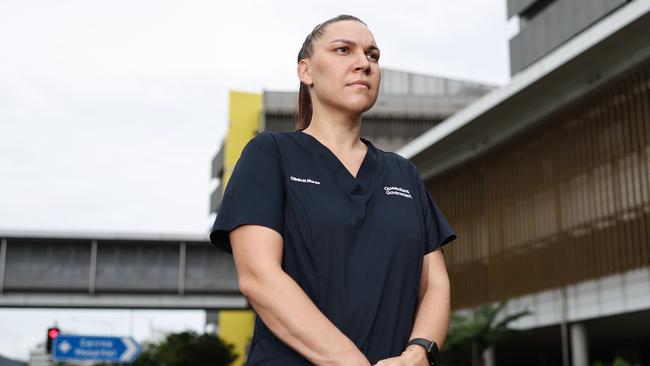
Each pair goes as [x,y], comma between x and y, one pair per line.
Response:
[469,336]
[186,349]
[618,361]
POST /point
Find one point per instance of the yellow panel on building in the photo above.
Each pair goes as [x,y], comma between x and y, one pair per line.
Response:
[244,120]
[236,326]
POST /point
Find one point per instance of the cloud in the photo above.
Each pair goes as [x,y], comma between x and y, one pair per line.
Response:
[111,111]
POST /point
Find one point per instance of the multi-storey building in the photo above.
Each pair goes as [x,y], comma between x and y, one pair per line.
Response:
[547,182]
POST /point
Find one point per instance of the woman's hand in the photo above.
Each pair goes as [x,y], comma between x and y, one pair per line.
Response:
[350,356]
[414,355]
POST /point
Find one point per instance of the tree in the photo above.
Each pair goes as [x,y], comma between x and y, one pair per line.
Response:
[618,361]
[186,349]
[470,336]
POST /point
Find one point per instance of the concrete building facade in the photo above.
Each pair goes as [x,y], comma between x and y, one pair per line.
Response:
[547,182]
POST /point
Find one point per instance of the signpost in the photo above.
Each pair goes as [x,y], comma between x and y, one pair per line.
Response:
[94,348]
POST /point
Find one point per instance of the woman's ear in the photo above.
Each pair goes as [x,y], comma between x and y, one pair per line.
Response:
[304,72]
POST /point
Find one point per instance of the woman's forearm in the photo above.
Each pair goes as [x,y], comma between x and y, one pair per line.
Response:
[433,314]
[295,320]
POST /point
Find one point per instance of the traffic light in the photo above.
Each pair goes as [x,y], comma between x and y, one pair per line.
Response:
[51,334]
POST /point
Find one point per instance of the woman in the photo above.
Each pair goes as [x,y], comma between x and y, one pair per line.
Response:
[336,243]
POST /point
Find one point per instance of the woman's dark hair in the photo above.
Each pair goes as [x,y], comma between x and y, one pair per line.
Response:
[303,115]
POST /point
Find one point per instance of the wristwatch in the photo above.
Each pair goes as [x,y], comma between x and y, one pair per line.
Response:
[433,354]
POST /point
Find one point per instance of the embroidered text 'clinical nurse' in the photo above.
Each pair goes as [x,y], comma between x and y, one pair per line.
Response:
[304,180]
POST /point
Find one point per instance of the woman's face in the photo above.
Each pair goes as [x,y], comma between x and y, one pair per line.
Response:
[344,57]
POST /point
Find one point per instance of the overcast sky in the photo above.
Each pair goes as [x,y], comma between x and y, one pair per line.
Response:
[111,111]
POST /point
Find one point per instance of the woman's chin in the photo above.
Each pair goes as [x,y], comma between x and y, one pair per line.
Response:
[359,106]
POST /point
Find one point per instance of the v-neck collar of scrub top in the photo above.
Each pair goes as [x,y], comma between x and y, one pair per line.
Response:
[359,185]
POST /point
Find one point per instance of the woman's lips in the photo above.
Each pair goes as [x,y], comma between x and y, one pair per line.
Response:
[360,84]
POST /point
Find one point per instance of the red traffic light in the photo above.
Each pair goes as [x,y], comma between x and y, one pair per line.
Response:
[51,334]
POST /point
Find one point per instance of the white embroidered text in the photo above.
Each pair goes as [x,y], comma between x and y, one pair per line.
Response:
[398,191]
[304,180]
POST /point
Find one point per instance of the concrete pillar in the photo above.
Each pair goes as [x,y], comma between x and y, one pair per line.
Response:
[488,356]
[579,346]
[212,321]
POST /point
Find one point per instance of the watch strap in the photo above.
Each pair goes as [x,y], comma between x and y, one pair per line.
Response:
[430,347]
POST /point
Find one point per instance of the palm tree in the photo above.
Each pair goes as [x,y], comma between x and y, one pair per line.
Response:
[472,335]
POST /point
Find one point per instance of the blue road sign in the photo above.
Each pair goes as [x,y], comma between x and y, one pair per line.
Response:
[93,348]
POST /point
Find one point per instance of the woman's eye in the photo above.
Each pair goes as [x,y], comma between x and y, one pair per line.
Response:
[374,57]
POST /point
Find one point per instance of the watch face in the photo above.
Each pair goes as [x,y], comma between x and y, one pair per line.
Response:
[434,353]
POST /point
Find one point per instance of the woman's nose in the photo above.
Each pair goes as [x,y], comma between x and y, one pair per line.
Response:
[362,62]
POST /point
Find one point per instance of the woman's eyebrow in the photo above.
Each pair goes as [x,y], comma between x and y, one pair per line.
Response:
[352,43]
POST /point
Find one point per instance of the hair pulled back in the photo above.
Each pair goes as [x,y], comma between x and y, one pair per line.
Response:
[304,113]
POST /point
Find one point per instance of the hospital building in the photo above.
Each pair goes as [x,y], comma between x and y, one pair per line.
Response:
[546,179]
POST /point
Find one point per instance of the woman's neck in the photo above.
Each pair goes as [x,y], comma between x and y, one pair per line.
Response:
[338,132]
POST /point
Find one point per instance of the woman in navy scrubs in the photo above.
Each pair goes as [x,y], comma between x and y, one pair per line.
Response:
[337,244]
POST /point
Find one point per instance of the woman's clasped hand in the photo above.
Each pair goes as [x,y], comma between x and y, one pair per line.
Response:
[410,357]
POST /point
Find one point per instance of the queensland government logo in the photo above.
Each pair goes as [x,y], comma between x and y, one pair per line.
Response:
[398,191]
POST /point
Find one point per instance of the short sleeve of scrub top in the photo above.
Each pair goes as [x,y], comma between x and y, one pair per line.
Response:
[437,230]
[254,194]
[354,244]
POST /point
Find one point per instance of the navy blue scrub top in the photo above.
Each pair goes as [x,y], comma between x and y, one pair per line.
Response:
[355,245]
